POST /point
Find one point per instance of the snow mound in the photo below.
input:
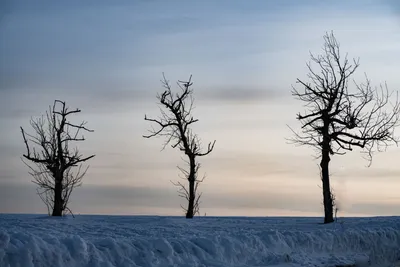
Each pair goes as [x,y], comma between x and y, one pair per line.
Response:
[114,241]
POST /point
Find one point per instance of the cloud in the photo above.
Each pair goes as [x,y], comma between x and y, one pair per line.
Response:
[257,164]
[22,198]
[240,94]
[24,105]
[7,177]
[375,209]
[263,199]
[368,173]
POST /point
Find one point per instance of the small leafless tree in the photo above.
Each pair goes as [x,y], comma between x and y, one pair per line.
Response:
[174,124]
[338,119]
[52,160]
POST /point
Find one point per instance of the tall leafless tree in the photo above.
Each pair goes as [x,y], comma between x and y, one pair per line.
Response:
[174,124]
[52,160]
[338,119]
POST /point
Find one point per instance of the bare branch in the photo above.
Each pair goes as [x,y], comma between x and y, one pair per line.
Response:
[339,118]
[359,119]
[51,157]
[174,124]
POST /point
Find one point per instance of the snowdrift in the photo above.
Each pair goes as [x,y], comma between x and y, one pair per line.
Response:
[110,241]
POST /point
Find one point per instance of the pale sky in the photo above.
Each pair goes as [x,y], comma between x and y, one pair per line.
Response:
[107,58]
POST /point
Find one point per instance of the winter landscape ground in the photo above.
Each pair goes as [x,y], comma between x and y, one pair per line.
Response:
[108,241]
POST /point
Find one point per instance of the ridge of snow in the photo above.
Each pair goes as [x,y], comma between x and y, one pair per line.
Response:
[114,241]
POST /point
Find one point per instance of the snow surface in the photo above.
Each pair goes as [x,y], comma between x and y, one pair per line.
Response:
[108,241]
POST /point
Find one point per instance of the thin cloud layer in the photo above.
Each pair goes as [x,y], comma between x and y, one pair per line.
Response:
[241,95]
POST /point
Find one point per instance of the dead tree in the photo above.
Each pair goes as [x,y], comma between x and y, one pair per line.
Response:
[52,160]
[338,119]
[174,124]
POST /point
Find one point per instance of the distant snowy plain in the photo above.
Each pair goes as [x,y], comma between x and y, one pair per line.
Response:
[147,241]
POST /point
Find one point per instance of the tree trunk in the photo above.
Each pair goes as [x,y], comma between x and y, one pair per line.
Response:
[192,197]
[57,208]
[190,210]
[326,188]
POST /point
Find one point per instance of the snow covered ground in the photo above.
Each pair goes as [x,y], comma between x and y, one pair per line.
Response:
[106,241]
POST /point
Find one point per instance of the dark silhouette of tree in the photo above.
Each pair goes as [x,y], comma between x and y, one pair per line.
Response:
[174,124]
[338,119]
[52,160]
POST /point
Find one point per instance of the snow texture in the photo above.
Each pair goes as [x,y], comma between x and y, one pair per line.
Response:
[110,241]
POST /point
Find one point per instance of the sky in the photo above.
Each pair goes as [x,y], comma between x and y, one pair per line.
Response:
[107,58]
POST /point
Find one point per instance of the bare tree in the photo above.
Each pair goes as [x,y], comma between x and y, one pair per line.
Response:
[52,160]
[338,119]
[174,124]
